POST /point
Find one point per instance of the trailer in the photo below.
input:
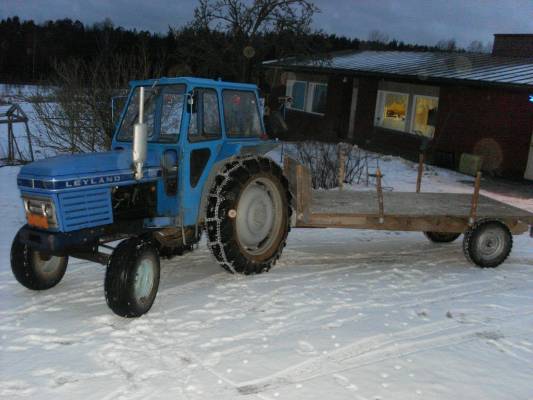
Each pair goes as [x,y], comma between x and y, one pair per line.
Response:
[487,224]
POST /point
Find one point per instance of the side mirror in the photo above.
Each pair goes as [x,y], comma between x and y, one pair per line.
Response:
[192,100]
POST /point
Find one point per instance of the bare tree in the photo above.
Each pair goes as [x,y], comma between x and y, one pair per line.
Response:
[475,47]
[244,21]
[378,36]
[75,110]
[447,45]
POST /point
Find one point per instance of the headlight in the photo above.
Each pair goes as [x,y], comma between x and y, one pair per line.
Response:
[40,213]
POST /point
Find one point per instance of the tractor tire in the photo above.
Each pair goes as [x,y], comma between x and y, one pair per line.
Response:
[441,237]
[248,215]
[132,277]
[487,243]
[36,270]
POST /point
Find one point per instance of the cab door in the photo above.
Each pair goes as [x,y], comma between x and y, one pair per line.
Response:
[200,149]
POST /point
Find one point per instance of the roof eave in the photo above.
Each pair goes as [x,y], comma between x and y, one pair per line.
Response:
[428,79]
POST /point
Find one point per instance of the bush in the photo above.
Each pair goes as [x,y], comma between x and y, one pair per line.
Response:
[322,159]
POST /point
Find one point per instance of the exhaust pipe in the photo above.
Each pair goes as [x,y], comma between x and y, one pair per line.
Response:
[140,140]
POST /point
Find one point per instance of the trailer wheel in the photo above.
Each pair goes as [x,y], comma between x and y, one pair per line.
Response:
[36,270]
[248,215]
[132,277]
[442,237]
[487,243]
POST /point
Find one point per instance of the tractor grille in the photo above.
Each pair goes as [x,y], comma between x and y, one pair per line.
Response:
[85,209]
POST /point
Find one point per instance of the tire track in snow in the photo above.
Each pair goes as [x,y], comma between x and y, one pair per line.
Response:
[376,349]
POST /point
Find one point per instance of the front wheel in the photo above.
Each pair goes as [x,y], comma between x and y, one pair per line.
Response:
[487,243]
[34,269]
[132,278]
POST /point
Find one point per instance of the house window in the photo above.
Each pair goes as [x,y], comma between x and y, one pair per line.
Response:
[297,90]
[307,96]
[424,116]
[406,112]
[318,93]
[392,110]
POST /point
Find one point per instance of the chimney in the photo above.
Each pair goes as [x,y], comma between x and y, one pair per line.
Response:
[513,45]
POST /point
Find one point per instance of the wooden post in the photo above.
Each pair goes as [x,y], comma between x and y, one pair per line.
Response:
[475,199]
[421,160]
[342,171]
[380,196]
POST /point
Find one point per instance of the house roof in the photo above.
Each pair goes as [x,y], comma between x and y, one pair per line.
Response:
[468,68]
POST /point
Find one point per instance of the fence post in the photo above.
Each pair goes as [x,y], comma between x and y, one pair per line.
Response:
[421,160]
[475,199]
[380,196]
[342,170]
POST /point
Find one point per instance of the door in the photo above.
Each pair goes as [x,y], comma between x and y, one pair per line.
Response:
[529,168]
[202,145]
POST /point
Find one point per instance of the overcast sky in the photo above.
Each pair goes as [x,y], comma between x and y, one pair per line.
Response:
[414,21]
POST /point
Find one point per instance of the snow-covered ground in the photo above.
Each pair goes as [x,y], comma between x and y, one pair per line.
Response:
[343,315]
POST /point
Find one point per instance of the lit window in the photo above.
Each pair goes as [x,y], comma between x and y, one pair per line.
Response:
[392,110]
[424,116]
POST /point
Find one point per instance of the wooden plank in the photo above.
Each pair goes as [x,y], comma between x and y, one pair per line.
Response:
[412,204]
[303,194]
[396,223]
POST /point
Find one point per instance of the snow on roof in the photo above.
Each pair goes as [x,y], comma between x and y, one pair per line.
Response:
[466,67]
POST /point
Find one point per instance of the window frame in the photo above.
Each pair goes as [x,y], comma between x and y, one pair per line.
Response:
[205,138]
[157,115]
[309,95]
[224,122]
[289,91]
[380,109]
[413,115]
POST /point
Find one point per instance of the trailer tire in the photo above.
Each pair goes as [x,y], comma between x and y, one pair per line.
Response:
[36,270]
[132,277]
[487,243]
[248,215]
[442,237]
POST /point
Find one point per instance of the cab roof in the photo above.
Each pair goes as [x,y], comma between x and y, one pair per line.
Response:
[194,82]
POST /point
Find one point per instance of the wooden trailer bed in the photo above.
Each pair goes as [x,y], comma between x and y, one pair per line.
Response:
[398,211]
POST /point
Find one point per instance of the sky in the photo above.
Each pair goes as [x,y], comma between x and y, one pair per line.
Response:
[412,21]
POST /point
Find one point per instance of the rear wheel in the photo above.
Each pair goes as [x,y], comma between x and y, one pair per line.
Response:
[441,237]
[34,269]
[132,277]
[248,215]
[487,243]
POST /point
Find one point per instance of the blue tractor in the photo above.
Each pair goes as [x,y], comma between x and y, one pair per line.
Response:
[187,157]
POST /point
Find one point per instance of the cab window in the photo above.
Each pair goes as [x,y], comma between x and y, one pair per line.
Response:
[163,109]
[241,114]
[205,116]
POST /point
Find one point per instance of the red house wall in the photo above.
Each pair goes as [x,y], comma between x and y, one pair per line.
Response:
[494,123]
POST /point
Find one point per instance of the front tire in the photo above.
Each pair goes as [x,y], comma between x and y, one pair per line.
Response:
[248,215]
[132,277]
[36,270]
[487,243]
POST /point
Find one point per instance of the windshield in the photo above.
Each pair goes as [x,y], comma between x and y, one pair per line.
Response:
[163,109]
